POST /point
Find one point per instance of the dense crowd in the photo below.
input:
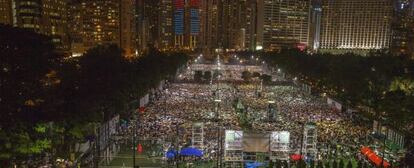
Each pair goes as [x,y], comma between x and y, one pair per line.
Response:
[170,116]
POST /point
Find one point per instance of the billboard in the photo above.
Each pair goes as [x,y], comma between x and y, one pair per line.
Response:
[280,140]
[256,142]
[281,136]
[234,140]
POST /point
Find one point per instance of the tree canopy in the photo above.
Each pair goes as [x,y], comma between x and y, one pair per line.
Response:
[51,102]
[380,80]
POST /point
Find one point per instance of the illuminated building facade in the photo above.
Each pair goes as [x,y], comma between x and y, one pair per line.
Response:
[250,25]
[6,12]
[98,23]
[149,30]
[402,42]
[194,23]
[179,10]
[103,22]
[54,22]
[186,24]
[47,17]
[315,25]
[228,25]
[356,25]
[76,29]
[165,25]
[284,23]
[209,26]
[29,14]
[127,26]
[235,23]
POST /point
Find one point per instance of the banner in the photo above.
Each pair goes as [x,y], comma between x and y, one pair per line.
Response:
[233,140]
[256,142]
[280,140]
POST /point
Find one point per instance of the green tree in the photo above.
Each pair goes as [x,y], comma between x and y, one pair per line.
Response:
[353,79]
[198,75]
[327,164]
[301,164]
[349,164]
[312,164]
[51,103]
[272,164]
[266,78]
[256,74]
[341,163]
[360,164]
[207,75]
[27,62]
[335,164]
[246,75]
[320,164]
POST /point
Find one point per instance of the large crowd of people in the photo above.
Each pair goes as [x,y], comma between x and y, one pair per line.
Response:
[170,116]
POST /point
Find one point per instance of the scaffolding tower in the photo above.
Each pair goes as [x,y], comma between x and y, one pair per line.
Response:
[279,145]
[197,135]
[310,140]
[233,152]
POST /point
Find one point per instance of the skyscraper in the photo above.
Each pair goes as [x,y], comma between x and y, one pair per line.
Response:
[194,26]
[99,22]
[350,25]
[315,25]
[29,14]
[165,25]
[54,22]
[148,15]
[103,22]
[179,10]
[128,41]
[47,17]
[227,24]
[283,23]
[186,24]
[230,23]
[402,42]
[250,26]
[76,28]
[209,25]
[6,12]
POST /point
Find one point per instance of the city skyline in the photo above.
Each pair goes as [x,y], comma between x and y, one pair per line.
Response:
[206,25]
[207,83]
